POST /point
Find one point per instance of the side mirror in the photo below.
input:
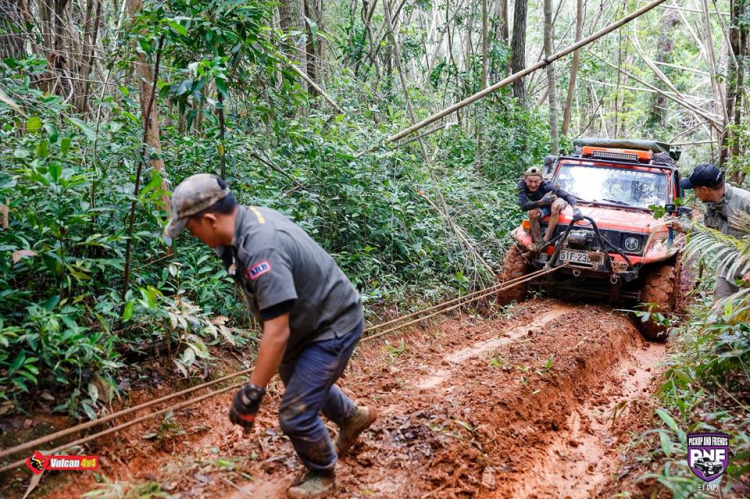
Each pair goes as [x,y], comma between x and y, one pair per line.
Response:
[684,210]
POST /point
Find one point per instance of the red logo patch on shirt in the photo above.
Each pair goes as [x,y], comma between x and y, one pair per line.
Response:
[258,269]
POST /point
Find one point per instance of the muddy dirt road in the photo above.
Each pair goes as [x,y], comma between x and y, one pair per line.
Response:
[535,404]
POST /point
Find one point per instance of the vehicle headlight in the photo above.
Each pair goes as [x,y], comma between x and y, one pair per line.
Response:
[631,243]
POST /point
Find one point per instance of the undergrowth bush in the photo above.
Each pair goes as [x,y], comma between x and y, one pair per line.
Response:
[65,325]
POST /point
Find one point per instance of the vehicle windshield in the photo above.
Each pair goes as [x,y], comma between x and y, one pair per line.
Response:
[613,185]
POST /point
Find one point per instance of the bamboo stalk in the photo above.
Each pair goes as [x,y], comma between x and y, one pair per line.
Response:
[517,76]
[717,124]
[317,88]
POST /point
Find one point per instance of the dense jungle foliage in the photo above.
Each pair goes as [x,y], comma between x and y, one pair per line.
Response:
[105,111]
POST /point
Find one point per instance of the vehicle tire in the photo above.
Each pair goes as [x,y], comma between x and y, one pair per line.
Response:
[661,287]
[515,265]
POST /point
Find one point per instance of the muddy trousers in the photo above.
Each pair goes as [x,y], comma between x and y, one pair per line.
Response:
[310,389]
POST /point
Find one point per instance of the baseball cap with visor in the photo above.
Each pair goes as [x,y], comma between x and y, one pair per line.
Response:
[706,175]
[194,194]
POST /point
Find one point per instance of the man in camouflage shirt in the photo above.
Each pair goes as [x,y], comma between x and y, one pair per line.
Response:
[727,210]
[311,317]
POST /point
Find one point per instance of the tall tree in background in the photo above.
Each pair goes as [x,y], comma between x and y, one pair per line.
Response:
[292,19]
[518,47]
[551,79]
[738,41]
[314,52]
[665,47]
[143,72]
[11,38]
[573,70]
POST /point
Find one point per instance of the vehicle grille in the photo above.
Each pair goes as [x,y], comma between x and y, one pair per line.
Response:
[617,238]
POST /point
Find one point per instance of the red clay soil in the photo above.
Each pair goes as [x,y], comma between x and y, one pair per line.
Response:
[536,404]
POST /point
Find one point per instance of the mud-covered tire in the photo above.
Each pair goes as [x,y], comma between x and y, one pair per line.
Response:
[661,287]
[515,265]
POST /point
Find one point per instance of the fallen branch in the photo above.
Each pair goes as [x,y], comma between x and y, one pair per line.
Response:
[716,123]
[317,88]
[517,76]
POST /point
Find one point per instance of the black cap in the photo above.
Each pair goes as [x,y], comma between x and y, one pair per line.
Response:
[706,175]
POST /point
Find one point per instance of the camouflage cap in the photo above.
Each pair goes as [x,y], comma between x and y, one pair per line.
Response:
[533,171]
[193,195]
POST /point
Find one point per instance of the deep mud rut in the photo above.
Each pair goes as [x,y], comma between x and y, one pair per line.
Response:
[536,404]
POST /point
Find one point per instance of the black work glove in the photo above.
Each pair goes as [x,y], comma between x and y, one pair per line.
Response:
[245,405]
[548,199]
[577,215]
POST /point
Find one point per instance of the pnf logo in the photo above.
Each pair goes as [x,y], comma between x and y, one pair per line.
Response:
[708,455]
[38,463]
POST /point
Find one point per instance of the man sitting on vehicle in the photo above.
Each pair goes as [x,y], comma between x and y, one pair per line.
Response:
[541,198]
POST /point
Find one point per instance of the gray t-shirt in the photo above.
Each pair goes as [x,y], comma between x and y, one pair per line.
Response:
[276,261]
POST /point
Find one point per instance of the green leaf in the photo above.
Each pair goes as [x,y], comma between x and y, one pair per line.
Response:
[51,132]
[667,418]
[88,410]
[184,87]
[128,312]
[80,275]
[90,134]
[666,443]
[34,124]
[17,362]
[55,171]
[42,149]
[51,303]
[93,392]
[180,29]
[65,145]
[221,86]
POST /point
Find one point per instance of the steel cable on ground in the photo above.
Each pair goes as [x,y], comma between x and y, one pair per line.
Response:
[472,297]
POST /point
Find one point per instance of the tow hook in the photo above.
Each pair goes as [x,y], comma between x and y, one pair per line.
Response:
[614,279]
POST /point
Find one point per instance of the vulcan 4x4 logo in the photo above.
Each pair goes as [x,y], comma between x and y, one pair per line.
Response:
[38,463]
[708,455]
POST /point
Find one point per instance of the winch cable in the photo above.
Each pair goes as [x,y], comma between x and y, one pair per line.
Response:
[451,305]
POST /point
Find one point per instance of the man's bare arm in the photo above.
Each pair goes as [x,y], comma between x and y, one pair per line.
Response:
[271,351]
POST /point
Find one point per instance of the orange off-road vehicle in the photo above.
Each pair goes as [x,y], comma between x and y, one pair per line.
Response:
[619,251]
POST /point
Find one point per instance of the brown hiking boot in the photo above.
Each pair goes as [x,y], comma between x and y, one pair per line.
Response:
[362,419]
[314,484]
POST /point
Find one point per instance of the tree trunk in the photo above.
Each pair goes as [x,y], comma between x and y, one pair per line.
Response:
[91,34]
[738,40]
[143,72]
[573,70]
[4,215]
[665,45]
[11,29]
[485,43]
[483,83]
[314,53]
[518,48]
[292,18]
[551,79]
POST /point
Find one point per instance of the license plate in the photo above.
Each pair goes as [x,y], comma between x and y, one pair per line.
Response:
[574,256]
